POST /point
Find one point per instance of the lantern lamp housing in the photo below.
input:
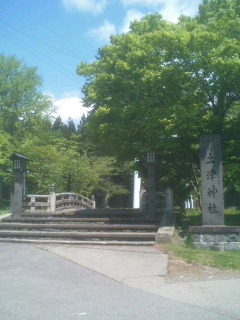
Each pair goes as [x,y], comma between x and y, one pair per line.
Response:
[19,162]
[150,157]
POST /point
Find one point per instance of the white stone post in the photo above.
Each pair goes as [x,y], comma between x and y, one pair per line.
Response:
[52,199]
[94,202]
[136,190]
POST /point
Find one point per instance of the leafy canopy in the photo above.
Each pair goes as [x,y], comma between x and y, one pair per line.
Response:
[23,107]
[162,85]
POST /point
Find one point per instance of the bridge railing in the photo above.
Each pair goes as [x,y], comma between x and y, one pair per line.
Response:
[72,201]
[35,203]
[56,202]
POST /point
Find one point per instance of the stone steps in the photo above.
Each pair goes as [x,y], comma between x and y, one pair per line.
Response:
[78,235]
[75,228]
[51,219]
[95,213]
[79,242]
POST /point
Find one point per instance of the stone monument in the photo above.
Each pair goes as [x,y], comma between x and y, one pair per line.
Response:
[213,234]
[212,180]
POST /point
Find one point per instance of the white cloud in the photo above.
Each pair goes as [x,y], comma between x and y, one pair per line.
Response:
[70,107]
[107,29]
[103,33]
[91,6]
[174,8]
[144,3]
[130,16]
[170,9]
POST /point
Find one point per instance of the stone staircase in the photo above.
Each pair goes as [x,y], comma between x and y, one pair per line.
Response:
[124,227]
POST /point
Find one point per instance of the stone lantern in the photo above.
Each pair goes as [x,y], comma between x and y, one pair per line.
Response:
[19,168]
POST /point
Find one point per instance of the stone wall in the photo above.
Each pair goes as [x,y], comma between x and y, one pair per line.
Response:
[218,238]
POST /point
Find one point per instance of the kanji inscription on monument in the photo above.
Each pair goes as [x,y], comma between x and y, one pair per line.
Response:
[212,180]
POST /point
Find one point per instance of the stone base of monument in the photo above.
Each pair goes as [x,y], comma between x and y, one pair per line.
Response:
[218,238]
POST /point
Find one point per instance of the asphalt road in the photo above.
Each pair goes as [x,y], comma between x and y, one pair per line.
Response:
[36,284]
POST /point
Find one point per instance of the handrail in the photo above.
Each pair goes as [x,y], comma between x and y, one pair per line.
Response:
[56,202]
[70,200]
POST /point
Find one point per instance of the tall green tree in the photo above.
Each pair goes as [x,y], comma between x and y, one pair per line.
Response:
[6,150]
[162,85]
[25,113]
[58,163]
[111,179]
[23,108]
[57,152]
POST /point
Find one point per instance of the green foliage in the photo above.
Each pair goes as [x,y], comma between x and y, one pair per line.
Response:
[22,107]
[4,207]
[162,85]
[194,217]
[57,163]
[156,88]
[108,176]
[6,150]
[57,151]
[24,113]
[62,129]
[223,260]
[232,217]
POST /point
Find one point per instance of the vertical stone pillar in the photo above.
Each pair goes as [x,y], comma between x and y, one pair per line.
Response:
[212,180]
[151,190]
[17,198]
[169,199]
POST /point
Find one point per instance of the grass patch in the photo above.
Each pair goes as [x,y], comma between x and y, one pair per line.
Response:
[225,260]
[4,207]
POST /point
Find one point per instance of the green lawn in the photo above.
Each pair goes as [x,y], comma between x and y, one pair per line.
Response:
[228,260]
[185,251]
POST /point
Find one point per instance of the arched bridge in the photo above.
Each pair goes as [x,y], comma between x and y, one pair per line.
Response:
[56,202]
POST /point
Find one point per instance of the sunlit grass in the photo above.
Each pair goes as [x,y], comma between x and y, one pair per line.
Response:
[186,251]
[228,260]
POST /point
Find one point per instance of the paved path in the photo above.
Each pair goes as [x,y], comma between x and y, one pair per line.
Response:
[145,268]
[48,282]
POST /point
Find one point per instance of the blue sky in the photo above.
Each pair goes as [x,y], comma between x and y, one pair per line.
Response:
[55,35]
